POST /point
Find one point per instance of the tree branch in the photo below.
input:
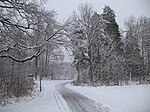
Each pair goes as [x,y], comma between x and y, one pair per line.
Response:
[23,60]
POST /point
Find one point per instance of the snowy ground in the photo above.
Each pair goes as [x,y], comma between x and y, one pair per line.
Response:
[77,102]
[118,98]
[49,100]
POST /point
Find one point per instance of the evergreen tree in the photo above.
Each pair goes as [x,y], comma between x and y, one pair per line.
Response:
[113,45]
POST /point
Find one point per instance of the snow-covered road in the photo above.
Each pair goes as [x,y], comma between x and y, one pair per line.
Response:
[56,96]
[127,98]
[78,102]
[49,100]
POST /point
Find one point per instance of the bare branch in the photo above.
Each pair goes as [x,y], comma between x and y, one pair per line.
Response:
[22,60]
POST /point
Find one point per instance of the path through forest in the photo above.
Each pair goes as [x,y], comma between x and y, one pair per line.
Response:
[78,102]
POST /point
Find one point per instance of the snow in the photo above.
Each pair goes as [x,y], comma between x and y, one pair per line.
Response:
[49,100]
[133,98]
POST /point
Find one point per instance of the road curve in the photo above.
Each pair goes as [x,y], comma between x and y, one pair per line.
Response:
[77,102]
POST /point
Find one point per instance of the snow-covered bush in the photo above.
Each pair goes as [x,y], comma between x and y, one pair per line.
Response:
[23,85]
[17,86]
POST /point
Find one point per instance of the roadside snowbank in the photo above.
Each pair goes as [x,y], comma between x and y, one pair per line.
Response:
[135,98]
[49,100]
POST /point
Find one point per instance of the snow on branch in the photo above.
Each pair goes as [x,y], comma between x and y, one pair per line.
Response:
[23,60]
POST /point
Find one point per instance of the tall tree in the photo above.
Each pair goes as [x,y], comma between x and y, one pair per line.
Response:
[113,44]
[137,40]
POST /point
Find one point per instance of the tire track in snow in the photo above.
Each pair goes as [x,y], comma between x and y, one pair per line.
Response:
[71,100]
[57,101]
[61,105]
[77,102]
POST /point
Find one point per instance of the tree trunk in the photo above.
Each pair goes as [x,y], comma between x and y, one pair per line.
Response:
[36,67]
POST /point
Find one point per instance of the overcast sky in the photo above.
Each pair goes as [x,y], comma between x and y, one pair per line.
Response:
[123,8]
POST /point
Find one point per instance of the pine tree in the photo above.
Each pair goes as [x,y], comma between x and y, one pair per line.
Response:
[113,45]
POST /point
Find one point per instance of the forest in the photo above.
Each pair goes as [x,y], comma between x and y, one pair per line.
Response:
[107,55]
[31,41]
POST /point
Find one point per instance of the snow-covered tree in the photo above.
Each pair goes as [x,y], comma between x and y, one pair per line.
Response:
[137,47]
[27,32]
[113,49]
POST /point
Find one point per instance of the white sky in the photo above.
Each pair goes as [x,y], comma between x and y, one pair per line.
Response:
[123,8]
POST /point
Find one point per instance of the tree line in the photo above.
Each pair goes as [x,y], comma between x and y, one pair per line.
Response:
[106,55]
[30,45]
[31,41]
